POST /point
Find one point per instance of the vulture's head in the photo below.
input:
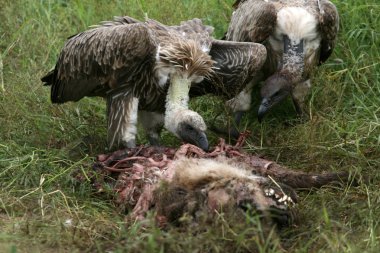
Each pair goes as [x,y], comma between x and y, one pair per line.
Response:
[189,126]
[186,62]
[275,89]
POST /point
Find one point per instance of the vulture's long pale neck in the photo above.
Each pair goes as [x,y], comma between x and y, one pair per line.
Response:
[177,100]
[178,92]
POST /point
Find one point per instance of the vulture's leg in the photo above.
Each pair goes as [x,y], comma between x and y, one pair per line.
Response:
[122,111]
[239,105]
[152,123]
[299,93]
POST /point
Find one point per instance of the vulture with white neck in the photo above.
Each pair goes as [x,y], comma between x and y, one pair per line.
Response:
[143,66]
[299,35]
[235,64]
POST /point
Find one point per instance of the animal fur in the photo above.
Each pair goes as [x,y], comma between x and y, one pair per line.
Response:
[216,185]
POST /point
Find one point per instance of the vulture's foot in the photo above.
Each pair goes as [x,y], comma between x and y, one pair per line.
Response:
[299,96]
[238,116]
[128,144]
[154,140]
[231,131]
[301,109]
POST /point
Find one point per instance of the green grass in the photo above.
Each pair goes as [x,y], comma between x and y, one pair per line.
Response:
[41,144]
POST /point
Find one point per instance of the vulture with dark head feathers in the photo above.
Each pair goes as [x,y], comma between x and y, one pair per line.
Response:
[148,67]
[298,35]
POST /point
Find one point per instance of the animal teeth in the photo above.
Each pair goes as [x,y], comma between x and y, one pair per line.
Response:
[283,198]
[269,192]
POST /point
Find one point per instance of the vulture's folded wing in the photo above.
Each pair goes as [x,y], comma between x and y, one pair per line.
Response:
[329,26]
[121,116]
[105,57]
[253,21]
[235,65]
[194,29]
[119,21]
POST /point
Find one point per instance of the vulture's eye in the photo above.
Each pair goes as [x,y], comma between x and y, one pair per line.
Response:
[189,128]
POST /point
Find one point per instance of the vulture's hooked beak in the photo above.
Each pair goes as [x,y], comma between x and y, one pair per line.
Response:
[270,102]
[280,85]
[193,136]
[264,107]
[275,90]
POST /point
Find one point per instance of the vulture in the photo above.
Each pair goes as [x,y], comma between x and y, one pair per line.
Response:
[235,64]
[145,69]
[298,35]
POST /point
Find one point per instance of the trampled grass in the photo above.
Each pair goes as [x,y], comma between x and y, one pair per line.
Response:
[43,209]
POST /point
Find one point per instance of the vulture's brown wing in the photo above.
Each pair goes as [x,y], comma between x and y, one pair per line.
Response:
[94,61]
[253,21]
[235,65]
[119,21]
[329,26]
[196,30]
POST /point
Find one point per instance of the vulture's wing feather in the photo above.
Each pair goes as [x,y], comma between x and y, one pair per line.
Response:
[196,30]
[98,59]
[253,21]
[120,113]
[329,26]
[235,65]
[119,21]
